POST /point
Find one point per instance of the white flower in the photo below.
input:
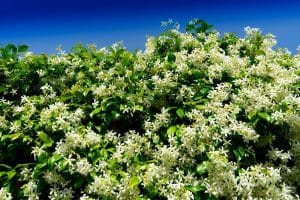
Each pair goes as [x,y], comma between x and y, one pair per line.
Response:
[167,155]
[15,126]
[14,92]
[102,186]
[41,72]
[91,138]
[150,46]
[60,194]
[86,197]
[83,167]
[54,178]
[275,154]
[37,151]
[5,195]
[26,174]
[251,31]
[30,190]
[153,174]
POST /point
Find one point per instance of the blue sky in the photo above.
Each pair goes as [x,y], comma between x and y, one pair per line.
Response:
[45,24]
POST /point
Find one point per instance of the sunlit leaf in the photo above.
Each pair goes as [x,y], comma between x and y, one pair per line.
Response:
[180,112]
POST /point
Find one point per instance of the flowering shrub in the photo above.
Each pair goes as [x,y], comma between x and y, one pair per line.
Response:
[194,116]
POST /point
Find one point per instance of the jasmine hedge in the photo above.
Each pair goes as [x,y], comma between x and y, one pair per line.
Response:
[195,116]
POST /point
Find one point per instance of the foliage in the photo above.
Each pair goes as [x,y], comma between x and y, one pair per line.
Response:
[194,116]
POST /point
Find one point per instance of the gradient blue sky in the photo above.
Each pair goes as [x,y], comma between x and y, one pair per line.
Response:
[45,24]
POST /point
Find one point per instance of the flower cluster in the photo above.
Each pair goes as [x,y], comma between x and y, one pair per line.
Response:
[196,115]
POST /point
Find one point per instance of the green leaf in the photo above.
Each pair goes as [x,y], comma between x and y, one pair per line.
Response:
[53,160]
[5,166]
[264,115]
[195,189]
[179,132]
[22,48]
[78,182]
[251,115]
[39,169]
[171,130]
[57,157]
[152,190]
[171,58]
[45,138]
[66,97]
[27,139]
[93,174]
[134,181]
[95,111]
[43,157]
[202,168]
[3,89]
[11,48]
[111,150]
[152,161]
[86,92]
[112,163]
[11,174]
[122,174]
[115,114]
[13,136]
[239,153]
[3,174]
[180,113]
[139,108]
[22,165]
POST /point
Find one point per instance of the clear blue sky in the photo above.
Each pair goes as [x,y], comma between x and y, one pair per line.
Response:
[44,24]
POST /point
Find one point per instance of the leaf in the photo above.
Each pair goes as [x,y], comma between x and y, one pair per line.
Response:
[134,181]
[111,150]
[239,153]
[27,139]
[180,113]
[179,132]
[3,174]
[112,163]
[264,115]
[251,115]
[22,48]
[151,161]
[11,47]
[39,169]
[13,136]
[43,157]
[3,88]
[11,174]
[139,108]
[5,166]
[53,160]
[86,92]
[202,168]
[93,174]
[122,174]
[171,130]
[22,165]
[115,114]
[45,138]
[195,189]
[152,190]
[171,58]
[78,183]
[57,157]
[95,111]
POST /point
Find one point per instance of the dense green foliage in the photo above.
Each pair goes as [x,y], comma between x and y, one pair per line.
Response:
[194,116]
